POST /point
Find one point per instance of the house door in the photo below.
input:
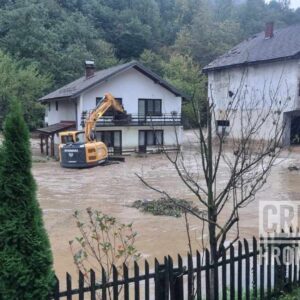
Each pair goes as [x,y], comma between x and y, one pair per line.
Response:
[112,140]
[295,130]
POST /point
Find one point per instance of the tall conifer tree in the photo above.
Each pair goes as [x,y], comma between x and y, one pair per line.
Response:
[25,254]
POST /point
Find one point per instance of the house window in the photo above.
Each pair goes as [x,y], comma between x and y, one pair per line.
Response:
[110,111]
[223,123]
[98,100]
[49,106]
[151,137]
[223,127]
[150,107]
[56,105]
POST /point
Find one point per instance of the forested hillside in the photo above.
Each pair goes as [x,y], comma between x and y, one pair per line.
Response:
[50,39]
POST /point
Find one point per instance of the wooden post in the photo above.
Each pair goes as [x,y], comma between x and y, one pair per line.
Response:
[47,145]
[52,145]
[41,143]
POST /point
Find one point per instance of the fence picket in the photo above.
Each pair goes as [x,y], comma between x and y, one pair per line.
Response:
[136,281]
[126,286]
[93,284]
[104,282]
[224,275]
[199,288]
[115,283]
[147,288]
[56,289]
[262,272]
[207,274]
[180,278]
[190,277]
[69,286]
[157,280]
[240,272]
[232,272]
[254,283]
[81,286]
[166,278]
[172,278]
[247,269]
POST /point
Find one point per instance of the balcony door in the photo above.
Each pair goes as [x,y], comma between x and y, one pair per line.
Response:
[149,108]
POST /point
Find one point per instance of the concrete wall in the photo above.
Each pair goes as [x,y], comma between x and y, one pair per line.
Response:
[256,88]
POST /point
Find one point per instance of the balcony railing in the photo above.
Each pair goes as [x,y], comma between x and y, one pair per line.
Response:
[140,120]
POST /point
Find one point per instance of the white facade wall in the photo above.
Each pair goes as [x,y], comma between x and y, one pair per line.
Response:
[130,86]
[66,111]
[259,84]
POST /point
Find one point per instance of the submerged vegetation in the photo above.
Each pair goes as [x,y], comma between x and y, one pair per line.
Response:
[165,207]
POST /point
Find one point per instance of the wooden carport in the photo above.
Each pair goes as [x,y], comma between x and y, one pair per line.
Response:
[49,132]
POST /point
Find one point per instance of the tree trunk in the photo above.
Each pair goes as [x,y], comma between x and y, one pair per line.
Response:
[212,213]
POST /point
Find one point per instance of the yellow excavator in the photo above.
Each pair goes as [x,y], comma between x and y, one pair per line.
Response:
[80,149]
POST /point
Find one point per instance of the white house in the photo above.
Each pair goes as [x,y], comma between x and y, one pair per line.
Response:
[153,106]
[265,66]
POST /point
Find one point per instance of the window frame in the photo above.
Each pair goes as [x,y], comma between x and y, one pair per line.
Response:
[154,137]
[146,107]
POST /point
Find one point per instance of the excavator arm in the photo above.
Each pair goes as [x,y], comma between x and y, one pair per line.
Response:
[107,102]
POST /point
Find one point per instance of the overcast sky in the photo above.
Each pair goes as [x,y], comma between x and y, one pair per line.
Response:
[295,3]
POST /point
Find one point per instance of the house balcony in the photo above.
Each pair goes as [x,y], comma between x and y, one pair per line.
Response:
[140,120]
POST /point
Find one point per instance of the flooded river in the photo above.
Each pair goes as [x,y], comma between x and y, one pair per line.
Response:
[111,188]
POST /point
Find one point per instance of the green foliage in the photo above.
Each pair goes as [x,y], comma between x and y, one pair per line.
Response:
[57,40]
[57,36]
[25,255]
[153,61]
[165,207]
[18,82]
[102,243]
[295,295]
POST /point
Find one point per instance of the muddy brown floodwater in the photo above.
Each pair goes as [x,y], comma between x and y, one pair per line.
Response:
[111,188]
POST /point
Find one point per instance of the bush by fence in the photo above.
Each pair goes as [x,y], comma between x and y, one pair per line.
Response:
[270,267]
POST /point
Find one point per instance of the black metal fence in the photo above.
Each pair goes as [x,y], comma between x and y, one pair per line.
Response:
[270,267]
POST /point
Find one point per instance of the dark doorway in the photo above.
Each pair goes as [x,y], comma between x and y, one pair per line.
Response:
[112,140]
[295,130]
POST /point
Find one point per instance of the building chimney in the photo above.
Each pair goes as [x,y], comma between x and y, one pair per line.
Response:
[269,30]
[89,68]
